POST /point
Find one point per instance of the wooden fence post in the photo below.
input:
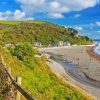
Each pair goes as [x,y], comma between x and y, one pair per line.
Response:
[9,70]
[18,95]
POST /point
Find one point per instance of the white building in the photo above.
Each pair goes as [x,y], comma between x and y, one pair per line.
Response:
[7,45]
[37,44]
[60,43]
[67,44]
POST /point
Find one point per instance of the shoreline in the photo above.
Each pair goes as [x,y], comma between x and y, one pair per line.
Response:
[86,64]
[60,71]
[92,53]
[60,47]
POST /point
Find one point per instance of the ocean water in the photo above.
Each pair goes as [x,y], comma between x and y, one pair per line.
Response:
[97,40]
[97,48]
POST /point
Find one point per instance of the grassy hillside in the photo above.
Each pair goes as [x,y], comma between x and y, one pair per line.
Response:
[37,77]
[44,32]
[19,22]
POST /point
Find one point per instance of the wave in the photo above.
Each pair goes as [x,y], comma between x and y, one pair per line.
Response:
[97,49]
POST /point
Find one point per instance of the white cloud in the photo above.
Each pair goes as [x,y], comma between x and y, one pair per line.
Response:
[16,15]
[79,28]
[55,5]
[77,15]
[19,15]
[58,7]
[56,15]
[98,23]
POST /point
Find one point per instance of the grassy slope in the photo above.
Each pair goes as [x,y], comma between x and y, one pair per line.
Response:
[19,22]
[9,22]
[30,31]
[40,80]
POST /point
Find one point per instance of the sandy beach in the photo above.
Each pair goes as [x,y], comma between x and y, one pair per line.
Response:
[87,66]
[78,55]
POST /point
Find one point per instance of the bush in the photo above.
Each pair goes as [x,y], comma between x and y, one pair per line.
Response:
[24,50]
[44,57]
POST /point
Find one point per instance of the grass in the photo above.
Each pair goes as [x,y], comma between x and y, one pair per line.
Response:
[36,30]
[41,81]
[11,22]
[0,98]
[35,21]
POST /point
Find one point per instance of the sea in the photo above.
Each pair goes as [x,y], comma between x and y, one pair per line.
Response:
[97,48]
[97,40]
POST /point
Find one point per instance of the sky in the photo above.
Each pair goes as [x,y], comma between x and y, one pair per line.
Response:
[83,15]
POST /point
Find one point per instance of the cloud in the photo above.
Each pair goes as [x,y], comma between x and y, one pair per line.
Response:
[19,15]
[77,15]
[55,15]
[98,23]
[55,7]
[16,15]
[91,25]
[5,15]
[79,28]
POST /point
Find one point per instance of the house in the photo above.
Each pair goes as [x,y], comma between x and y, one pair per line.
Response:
[49,45]
[7,45]
[37,44]
[67,43]
[60,43]
[37,56]
[77,35]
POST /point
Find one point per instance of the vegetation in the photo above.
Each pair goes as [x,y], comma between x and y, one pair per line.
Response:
[19,22]
[4,87]
[7,90]
[38,79]
[24,50]
[38,31]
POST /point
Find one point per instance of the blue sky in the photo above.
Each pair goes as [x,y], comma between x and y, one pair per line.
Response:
[83,15]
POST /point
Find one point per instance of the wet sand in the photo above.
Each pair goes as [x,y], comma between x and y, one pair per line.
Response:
[88,66]
[78,55]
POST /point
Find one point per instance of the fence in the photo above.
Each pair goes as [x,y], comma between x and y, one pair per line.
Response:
[17,84]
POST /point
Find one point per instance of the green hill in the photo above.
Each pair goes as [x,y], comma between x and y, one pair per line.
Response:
[40,31]
[37,77]
[19,22]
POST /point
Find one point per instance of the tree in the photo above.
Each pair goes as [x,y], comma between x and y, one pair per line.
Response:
[24,50]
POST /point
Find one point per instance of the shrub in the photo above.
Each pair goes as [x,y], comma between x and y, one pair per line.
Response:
[24,50]
[44,57]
